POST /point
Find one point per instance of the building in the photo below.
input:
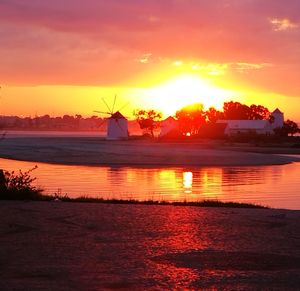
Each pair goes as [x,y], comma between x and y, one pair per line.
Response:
[263,127]
[278,118]
[168,126]
[117,127]
[235,127]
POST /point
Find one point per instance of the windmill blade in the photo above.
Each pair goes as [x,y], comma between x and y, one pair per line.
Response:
[125,105]
[102,112]
[106,106]
[113,108]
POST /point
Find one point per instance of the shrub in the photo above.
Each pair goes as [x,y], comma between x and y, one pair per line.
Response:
[18,186]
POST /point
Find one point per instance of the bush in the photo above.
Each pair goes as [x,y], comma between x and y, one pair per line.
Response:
[18,186]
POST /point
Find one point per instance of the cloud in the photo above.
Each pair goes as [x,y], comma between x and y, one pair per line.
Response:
[220,69]
[244,67]
[283,24]
[145,58]
[108,42]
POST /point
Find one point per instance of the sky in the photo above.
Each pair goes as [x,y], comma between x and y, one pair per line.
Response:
[63,56]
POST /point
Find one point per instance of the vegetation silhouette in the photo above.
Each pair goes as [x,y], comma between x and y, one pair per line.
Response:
[46,122]
[213,115]
[16,186]
[191,118]
[148,120]
[289,128]
[238,111]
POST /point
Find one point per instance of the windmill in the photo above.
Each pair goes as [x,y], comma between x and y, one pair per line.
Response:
[117,124]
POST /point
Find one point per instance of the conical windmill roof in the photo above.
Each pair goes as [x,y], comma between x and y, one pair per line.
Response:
[170,118]
[117,115]
[276,111]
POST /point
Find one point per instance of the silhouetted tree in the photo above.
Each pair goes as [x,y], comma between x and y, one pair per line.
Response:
[148,119]
[191,118]
[236,110]
[259,112]
[289,128]
[212,115]
[69,121]
[77,119]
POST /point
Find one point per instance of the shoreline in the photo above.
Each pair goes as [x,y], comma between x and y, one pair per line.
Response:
[39,196]
[89,151]
[152,165]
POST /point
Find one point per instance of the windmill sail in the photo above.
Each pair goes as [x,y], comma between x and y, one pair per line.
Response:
[113,108]
[107,106]
[117,124]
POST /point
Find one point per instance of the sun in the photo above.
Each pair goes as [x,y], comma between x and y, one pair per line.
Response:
[187,89]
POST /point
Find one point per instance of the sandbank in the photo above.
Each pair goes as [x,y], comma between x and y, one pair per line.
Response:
[95,151]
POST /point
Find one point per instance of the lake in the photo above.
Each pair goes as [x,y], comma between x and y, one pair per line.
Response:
[274,186]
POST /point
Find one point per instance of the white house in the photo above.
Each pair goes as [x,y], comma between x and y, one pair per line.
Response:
[117,127]
[264,127]
[167,126]
[247,126]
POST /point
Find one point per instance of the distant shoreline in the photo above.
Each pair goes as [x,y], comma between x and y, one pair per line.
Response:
[94,151]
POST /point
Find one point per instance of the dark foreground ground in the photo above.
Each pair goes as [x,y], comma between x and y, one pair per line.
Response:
[74,246]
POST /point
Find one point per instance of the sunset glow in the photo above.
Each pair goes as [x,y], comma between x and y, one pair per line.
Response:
[150,145]
[187,89]
[63,58]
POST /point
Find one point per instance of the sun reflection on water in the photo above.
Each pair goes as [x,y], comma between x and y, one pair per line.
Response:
[262,185]
[187,182]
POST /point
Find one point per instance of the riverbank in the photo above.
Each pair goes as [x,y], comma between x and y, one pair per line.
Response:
[95,151]
[67,246]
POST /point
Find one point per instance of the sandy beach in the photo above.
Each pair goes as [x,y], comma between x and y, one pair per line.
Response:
[75,246]
[96,152]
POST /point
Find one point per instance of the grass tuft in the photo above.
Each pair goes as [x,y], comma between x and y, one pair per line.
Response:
[86,199]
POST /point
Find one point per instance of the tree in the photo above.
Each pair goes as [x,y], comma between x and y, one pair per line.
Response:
[77,120]
[212,115]
[259,112]
[191,118]
[236,110]
[69,121]
[148,119]
[289,128]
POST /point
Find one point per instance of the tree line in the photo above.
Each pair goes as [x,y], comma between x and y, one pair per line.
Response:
[192,118]
[46,122]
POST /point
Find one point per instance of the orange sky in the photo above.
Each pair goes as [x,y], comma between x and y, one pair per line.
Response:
[62,58]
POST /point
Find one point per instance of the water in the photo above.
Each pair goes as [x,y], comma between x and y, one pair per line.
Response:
[274,186]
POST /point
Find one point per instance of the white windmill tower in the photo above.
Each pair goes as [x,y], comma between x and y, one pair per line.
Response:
[117,124]
[278,118]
